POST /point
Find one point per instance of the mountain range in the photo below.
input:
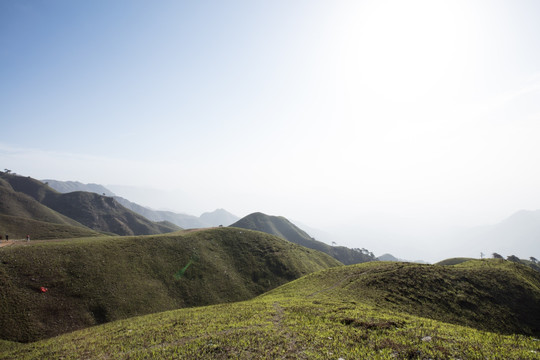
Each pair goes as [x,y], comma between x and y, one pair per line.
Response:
[71,186]
[273,225]
[518,232]
[98,213]
[29,200]
[207,219]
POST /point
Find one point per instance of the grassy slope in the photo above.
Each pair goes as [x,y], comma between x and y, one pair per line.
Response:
[103,213]
[18,228]
[457,261]
[493,295]
[454,261]
[29,186]
[280,226]
[21,214]
[97,280]
[100,213]
[320,316]
[24,206]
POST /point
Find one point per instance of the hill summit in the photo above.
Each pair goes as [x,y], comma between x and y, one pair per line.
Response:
[280,226]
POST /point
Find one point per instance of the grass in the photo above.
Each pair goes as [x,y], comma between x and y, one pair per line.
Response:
[16,206]
[291,322]
[454,261]
[18,228]
[489,295]
[92,281]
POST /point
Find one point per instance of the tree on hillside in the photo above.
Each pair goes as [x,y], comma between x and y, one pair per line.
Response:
[497,256]
[533,259]
[513,258]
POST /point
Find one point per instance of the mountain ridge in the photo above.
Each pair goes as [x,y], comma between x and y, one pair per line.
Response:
[94,211]
[71,186]
[280,226]
[207,219]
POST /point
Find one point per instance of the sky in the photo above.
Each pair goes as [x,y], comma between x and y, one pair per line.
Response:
[378,122]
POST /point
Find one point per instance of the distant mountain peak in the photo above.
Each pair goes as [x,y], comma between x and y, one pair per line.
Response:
[71,186]
[219,217]
[282,227]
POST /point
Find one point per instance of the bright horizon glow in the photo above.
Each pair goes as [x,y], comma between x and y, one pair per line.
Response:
[368,119]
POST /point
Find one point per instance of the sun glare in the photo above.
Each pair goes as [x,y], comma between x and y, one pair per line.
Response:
[404,51]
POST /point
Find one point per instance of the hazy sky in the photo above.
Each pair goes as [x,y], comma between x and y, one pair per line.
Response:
[334,113]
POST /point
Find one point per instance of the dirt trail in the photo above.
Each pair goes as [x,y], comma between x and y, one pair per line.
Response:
[283,329]
[19,242]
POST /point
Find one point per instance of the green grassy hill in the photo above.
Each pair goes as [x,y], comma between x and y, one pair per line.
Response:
[92,281]
[97,212]
[332,314]
[18,228]
[104,213]
[454,261]
[280,226]
[21,214]
[457,261]
[28,186]
[20,205]
[492,295]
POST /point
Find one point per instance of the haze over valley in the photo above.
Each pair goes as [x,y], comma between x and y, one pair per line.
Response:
[515,235]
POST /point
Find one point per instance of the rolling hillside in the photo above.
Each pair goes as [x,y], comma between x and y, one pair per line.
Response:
[491,295]
[97,212]
[21,214]
[338,313]
[92,281]
[18,227]
[105,214]
[280,226]
[18,204]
